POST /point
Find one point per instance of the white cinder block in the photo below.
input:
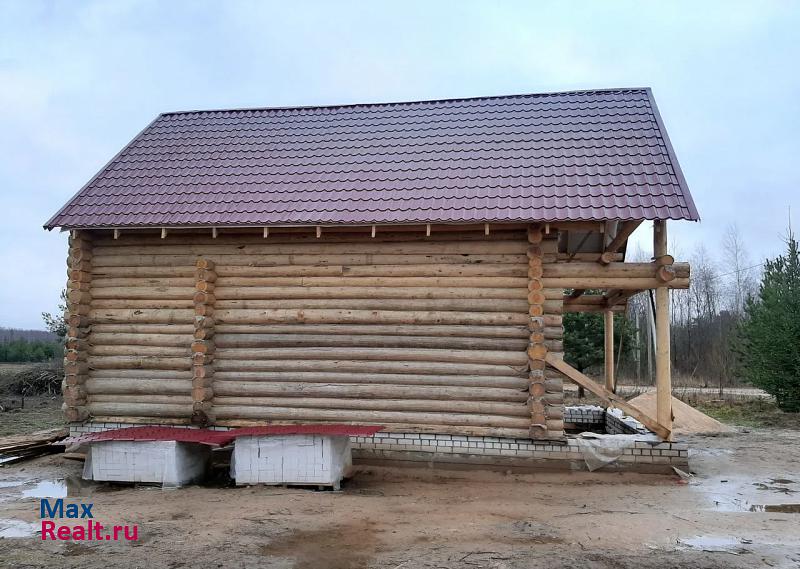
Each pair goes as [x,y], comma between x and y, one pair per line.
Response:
[291,459]
[168,463]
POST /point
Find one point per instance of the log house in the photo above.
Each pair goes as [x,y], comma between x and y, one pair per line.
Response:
[405,264]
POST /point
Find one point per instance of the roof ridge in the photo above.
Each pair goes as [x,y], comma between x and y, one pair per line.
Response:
[414,102]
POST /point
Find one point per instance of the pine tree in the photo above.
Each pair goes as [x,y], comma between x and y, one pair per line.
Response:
[768,339]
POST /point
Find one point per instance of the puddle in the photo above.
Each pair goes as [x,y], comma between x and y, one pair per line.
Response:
[777,508]
[17,528]
[716,544]
[736,494]
[47,489]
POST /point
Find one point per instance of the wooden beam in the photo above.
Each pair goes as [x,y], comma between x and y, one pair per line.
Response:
[373,231]
[116,234]
[663,371]
[618,270]
[486,229]
[213,232]
[427,230]
[574,294]
[609,398]
[319,231]
[266,232]
[611,383]
[163,233]
[619,239]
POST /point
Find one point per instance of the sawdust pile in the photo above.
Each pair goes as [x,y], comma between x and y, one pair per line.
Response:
[688,420]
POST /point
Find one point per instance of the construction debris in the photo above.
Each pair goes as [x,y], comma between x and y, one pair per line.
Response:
[22,447]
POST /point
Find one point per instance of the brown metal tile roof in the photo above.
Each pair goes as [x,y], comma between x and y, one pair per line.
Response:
[587,155]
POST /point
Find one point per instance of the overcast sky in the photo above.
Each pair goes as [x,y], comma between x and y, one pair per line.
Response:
[79,79]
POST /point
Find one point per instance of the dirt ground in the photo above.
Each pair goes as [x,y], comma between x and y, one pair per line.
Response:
[404,518]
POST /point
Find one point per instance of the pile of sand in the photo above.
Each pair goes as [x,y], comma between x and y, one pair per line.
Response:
[687,420]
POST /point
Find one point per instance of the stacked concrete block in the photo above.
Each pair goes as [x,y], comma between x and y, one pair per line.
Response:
[291,459]
[168,463]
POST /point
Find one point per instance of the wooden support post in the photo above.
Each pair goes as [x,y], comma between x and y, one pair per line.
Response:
[266,232]
[611,383]
[663,371]
[203,344]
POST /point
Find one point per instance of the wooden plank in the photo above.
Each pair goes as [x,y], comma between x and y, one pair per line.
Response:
[608,397]
[608,319]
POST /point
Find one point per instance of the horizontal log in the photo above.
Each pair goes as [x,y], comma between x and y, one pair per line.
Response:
[143,271]
[421,405]
[144,292]
[439,304]
[139,362]
[411,367]
[519,359]
[141,315]
[127,303]
[160,340]
[318,247]
[395,281]
[185,260]
[135,420]
[333,316]
[240,389]
[370,341]
[370,417]
[185,329]
[612,270]
[117,282]
[626,283]
[278,293]
[519,331]
[133,386]
[388,427]
[593,257]
[517,383]
[140,409]
[141,398]
[141,374]
[140,350]
[420,270]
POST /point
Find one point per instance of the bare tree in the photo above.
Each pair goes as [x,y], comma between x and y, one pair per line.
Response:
[740,277]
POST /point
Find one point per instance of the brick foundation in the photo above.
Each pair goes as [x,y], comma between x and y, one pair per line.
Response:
[564,454]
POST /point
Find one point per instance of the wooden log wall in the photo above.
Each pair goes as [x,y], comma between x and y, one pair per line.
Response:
[79,277]
[546,334]
[139,349]
[425,334]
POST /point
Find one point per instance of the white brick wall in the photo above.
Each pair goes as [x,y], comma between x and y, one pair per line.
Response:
[421,447]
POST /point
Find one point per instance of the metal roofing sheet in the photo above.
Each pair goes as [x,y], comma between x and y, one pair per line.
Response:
[588,155]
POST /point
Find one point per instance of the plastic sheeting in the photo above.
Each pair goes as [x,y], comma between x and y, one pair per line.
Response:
[599,450]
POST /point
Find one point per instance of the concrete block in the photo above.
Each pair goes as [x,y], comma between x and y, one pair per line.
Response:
[292,459]
[168,463]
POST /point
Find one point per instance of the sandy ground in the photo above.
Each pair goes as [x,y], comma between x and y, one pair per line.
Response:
[423,518]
